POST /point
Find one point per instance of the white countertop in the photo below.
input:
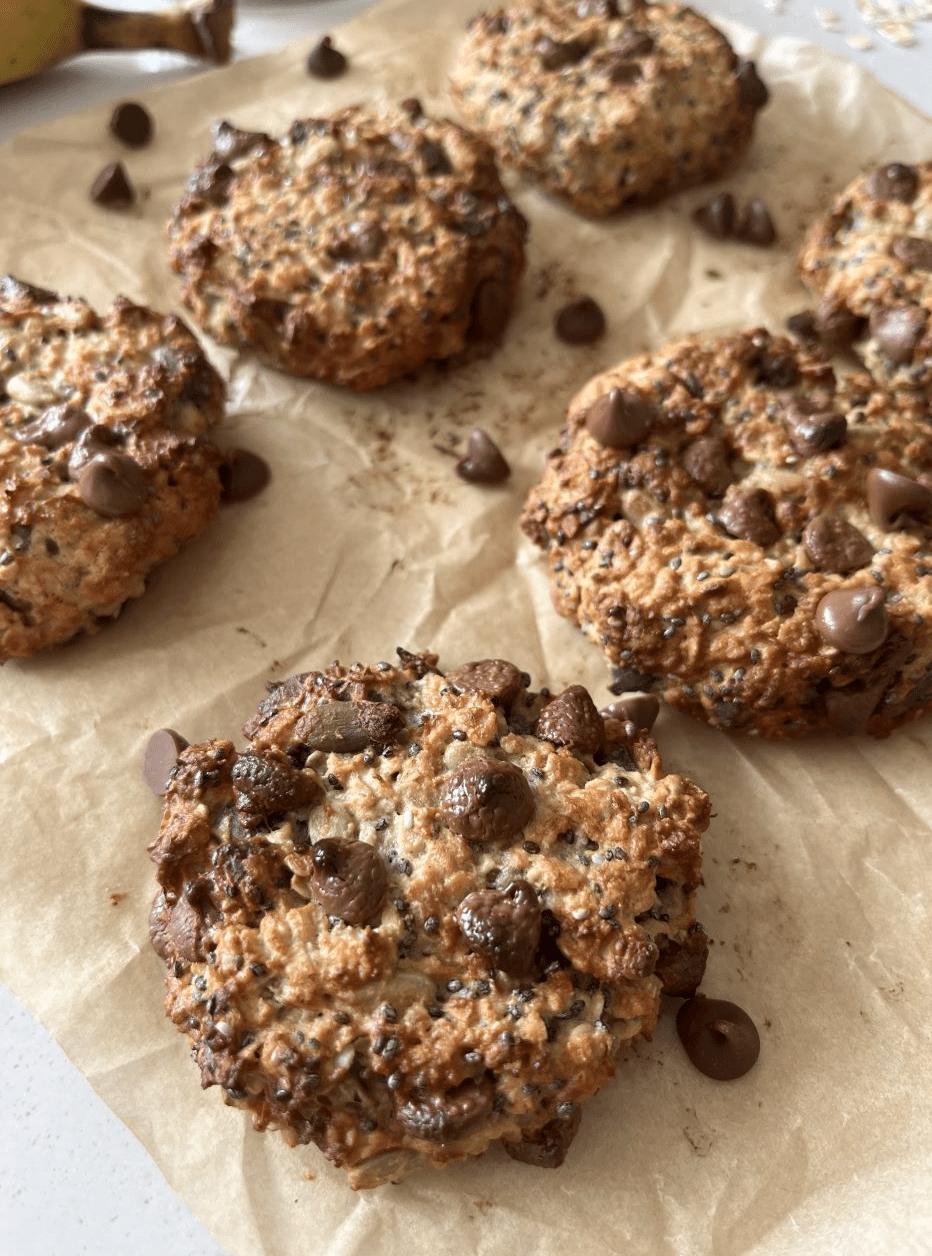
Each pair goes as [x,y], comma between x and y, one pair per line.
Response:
[73,1180]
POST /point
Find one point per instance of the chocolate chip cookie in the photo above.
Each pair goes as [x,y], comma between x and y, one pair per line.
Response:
[354,249]
[605,105]
[869,263]
[420,912]
[107,464]
[747,536]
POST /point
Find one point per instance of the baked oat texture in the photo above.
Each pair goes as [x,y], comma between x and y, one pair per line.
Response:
[755,548]
[606,105]
[421,913]
[869,263]
[107,465]
[354,249]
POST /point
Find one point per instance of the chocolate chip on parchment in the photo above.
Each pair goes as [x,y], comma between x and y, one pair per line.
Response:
[496,678]
[112,485]
[264,785]
[503,926]
[555,55]
[891,495]
[834,545]
[707,462]
[853,620]
[484,462]
[719,1037]
[325,61]
[581,322]
[717,217]
[112,188]
[898,330]
[487,800]
[894,182]
[639,709]
[349,880]
[749,514]
[546,1148]
[131,124]
[572,719]
[913,251]
[755,225]
[619,419]
[243,475]
[161,755]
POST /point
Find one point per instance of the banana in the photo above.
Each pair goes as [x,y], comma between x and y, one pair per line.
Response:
[37,34]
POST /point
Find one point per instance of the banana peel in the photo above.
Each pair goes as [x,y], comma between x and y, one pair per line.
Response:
[37,34]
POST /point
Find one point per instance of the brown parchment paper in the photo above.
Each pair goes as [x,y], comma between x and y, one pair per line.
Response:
[817,860]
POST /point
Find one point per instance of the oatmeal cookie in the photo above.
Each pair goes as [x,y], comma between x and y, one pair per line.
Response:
[869,263]
[748,537]
[606,106]
[107,465]
[354,249]
[419,913]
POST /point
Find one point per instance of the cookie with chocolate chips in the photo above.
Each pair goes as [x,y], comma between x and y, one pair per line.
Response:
[606,105]
[107,461]
[757,547]
[419,913]
[869,264]
[354,249]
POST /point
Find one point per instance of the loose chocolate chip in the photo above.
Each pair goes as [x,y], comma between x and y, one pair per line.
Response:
[264,785]
[434,158]
[243,475]
[894,182]
[112,187]
[633,44]
[160,757]
[54,428]
[719,1037]
[348,727]
[487,800]
[707,461]
[230,142]
[681,965]
[349,880]
[717,217]
[503,926]
[913,251]
[752,90]
[619,419]
[836,326]
[621,72]
[131,124]
[546,1147]
[554,55]
[835,545]
[891,495]
[445,1118]
[815,433]
[493,677]
[211,182]
[580,323]
[755,226]
[572,719]
[325,61]
[639,709]
[898,330]
[749,515]
[112,485]
[853,620]
[488,314]
[13,289]
[484,462]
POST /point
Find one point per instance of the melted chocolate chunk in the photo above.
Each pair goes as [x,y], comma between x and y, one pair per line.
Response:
[707,462]
[913,251]
[264,785]
[572,719]
[325,61]
[894,182]
[749,515]
[554,55]
[131,124]
[752,90]
[898,331]
[112,188]
[619,419]
[717,217]
[494,677]
[639,709]
[503,926]
[349,880]
[719,1037]
[484,462]
[755,225]
[836,326]
[580,323]
[112,485]
[230,142]
[348,727]
[161,755]
[834,545]
[815,433]
[891,496]
[445,1118]
[546,1148]
[853,620]
[681,965]
[487,800]
[212,182]
[56,427]
[243,475]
